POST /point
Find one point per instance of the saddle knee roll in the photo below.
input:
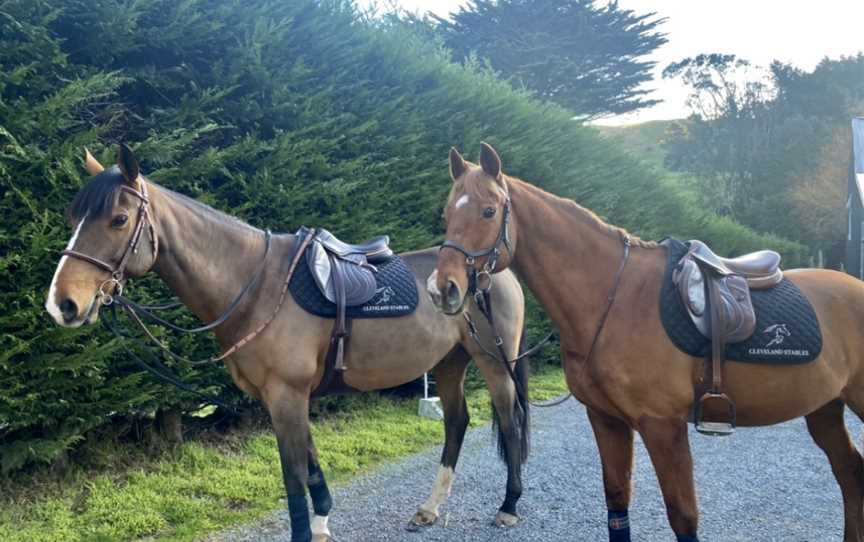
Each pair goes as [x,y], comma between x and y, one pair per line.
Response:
[739,318]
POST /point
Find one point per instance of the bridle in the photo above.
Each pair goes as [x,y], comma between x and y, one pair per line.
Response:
[480,286]
[113,286]
[481,281]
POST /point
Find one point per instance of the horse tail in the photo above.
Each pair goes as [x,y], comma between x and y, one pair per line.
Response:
[521,413]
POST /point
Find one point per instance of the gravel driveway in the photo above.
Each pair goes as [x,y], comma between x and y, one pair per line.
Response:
[758,485]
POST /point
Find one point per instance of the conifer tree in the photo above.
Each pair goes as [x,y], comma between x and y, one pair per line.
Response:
[586,57]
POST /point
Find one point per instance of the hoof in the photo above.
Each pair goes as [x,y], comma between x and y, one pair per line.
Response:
[322,538]
[423,518]
[503,519]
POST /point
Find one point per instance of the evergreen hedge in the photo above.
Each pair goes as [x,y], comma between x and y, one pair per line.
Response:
[280,112]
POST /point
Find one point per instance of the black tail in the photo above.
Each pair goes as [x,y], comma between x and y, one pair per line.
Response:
[521,414]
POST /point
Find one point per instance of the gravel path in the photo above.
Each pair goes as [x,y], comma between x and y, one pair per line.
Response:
[762,484]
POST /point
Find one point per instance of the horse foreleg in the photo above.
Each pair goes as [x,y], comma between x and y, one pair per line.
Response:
[615,442]
[828,430]
[669,447]
[289,412]
[320,494]
[450,379]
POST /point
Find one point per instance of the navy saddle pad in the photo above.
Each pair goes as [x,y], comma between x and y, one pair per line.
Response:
[396,292]
[787,330]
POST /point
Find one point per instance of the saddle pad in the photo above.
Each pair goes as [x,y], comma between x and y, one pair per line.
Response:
[787,330]
[396,293]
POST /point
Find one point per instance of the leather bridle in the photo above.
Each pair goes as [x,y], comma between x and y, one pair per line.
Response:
[480,286]
[113,286]
[482,280]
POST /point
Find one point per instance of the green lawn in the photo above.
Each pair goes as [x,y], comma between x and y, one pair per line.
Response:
[205,486]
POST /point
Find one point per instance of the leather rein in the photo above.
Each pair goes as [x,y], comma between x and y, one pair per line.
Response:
[480,286]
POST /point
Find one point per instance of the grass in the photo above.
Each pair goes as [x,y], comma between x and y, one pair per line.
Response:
[204,486]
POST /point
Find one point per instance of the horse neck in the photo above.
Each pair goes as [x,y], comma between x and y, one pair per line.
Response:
[568,258]
[204,257]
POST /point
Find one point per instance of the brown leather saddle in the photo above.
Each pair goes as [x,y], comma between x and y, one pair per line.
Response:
[345,275]
[716,293]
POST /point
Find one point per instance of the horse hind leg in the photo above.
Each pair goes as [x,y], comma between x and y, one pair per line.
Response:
[450,379]
[512,419]
[828,430]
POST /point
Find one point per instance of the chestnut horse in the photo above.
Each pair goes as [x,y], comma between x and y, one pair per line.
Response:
[628,373]
[125,226]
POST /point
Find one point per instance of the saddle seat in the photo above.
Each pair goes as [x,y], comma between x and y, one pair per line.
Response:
[761,269]
[375,249]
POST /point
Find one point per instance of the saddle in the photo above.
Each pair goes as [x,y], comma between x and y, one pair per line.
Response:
[345,274]
[716,293]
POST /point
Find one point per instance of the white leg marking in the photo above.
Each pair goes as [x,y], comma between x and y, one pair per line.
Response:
[51,303]
[441,489]
[319,526]
[461,202]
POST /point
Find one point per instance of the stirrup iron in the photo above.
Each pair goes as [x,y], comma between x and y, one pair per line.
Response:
[720,421]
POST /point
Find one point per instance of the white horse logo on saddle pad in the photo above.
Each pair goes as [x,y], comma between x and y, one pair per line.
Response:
[780,331]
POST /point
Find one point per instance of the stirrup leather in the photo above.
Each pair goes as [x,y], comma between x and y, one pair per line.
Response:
[715,411]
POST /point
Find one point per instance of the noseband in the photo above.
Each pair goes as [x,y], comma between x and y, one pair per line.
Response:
[482,280]
[114,285]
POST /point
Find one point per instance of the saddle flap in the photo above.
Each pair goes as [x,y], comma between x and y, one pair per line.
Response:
[319,265]
[357,275]
[739,318]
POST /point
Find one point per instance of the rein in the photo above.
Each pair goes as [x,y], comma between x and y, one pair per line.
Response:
[133,309]
[163,373]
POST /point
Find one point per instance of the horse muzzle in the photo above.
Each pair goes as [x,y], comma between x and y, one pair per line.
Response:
[450,301]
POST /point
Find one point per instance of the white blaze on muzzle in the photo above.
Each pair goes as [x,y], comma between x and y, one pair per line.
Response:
[432,288]
[51,304]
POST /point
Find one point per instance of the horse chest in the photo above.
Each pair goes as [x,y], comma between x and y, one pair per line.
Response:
[584,384]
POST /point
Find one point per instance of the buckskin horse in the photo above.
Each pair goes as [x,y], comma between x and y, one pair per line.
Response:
[616,355]
[126,226]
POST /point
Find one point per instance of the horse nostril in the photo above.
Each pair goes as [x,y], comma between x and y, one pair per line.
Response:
[454,294]
[69,309]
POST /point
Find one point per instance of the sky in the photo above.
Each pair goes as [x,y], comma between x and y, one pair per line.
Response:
[799,32]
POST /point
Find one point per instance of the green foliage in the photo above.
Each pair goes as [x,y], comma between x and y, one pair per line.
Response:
[585,57]
[764,150]
[282,113]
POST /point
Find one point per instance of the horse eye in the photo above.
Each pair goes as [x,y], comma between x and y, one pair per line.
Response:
[488,212]
[119,221]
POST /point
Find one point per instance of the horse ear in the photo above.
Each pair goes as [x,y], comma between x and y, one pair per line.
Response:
[91,164]
[128,165]
[457,164]
[490,162]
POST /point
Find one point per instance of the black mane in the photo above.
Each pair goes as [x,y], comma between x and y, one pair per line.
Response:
[98,196]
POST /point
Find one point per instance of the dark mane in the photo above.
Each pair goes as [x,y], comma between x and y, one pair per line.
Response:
[97,197]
